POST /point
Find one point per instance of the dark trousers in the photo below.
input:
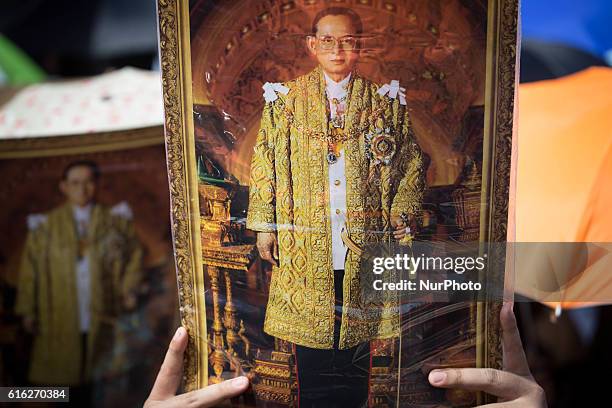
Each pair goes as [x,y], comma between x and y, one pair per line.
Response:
[333,378]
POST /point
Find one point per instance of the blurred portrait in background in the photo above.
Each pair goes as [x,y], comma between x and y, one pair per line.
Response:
[86,266]
[81,267]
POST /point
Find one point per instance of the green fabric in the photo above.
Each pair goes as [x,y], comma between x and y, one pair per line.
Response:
[18,68]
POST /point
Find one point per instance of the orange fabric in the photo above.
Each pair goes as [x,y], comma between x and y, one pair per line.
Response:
[563,190]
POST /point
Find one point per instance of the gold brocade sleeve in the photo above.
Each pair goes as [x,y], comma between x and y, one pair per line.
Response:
[132,257]
[261,215]
[26,287]
[409,196]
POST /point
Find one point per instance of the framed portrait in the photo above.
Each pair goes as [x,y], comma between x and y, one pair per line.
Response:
[87,259]
[308,140]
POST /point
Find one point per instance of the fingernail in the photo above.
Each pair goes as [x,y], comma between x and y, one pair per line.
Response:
[437,377]
[179,333]
[239,382]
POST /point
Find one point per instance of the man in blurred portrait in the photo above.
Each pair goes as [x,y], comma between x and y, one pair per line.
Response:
[80,268]
[335,168]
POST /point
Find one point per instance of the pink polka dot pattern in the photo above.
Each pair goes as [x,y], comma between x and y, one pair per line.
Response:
[125,99]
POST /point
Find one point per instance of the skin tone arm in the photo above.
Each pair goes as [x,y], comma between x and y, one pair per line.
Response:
[163,394]
[514,386]
[267,245]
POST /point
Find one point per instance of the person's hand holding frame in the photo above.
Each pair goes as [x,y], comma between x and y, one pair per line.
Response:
[163,394]
[514,386]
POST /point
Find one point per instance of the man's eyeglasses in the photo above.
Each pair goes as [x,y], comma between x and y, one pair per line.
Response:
[328,43]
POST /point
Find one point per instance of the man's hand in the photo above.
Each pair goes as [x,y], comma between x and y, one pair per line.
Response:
[267,245]
[129,302]
[163,394]
[400,229]
[514,386]
[29,324]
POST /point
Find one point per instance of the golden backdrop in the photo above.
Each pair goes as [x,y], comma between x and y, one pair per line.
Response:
[436,49]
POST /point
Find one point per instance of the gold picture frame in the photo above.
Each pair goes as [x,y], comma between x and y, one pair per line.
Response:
[176,61]
[80,144]
[127,200]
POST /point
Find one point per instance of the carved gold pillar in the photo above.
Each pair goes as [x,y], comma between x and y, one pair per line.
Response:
[217,358]
[224,258]
[229,335]
[231,325]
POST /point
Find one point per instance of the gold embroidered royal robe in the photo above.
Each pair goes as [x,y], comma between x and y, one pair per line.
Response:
[289,195]
[47,291]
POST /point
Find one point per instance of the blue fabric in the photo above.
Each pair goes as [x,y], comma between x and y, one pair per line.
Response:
[583,24]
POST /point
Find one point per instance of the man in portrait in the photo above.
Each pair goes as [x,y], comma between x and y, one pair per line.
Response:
[81,268]
[335,168]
